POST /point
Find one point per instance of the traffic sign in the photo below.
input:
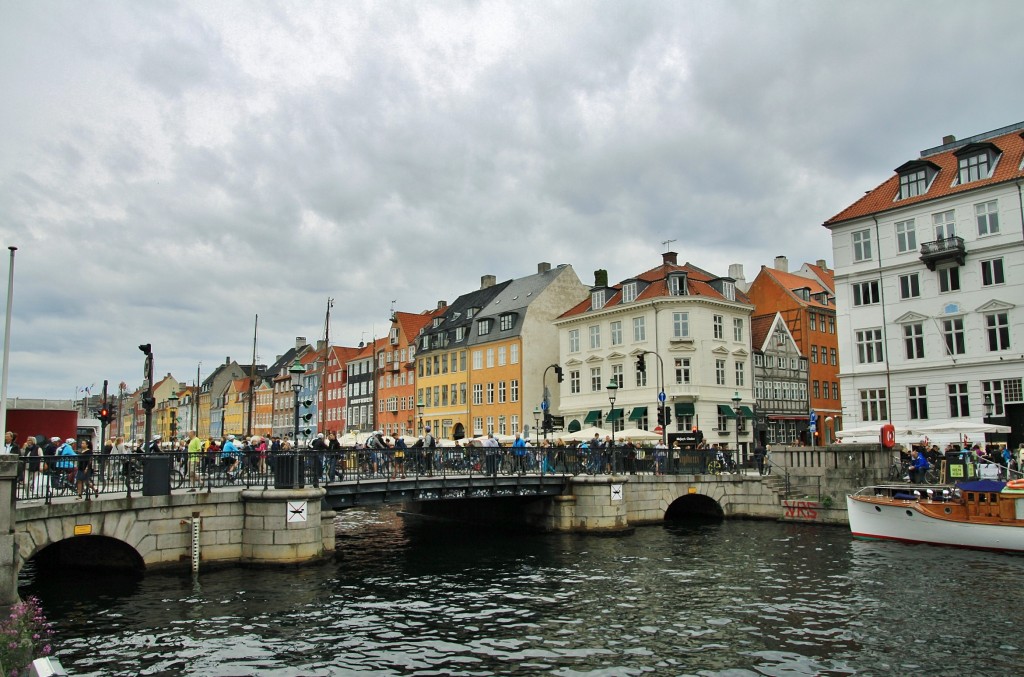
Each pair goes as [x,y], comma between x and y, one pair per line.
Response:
[661,397]
[544,405]
[814,417]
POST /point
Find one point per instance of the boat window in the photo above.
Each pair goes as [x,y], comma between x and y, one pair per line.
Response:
[949,510]
[910,513]
[877,509]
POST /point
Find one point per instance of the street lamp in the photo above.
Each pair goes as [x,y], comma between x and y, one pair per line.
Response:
[989,405]
[536,424]
[419,416]
[736,399]
[173,402]
[613,388]
[296,371]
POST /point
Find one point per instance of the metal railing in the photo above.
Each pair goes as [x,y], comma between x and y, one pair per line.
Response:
[49,477]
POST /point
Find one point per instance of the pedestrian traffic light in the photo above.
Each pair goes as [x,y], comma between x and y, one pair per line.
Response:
[148,402]
[307,403]
[661,416]
[641,366]
[668,416]
[548,423]
[104,415]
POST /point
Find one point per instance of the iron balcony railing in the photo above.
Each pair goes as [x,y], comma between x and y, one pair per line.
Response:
[944,249]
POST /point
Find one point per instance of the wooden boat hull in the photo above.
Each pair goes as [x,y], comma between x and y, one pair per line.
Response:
[922,521]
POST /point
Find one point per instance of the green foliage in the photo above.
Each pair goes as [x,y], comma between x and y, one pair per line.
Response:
[826,502]
[24,636]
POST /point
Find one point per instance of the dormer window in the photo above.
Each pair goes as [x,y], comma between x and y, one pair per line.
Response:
[460,334]
[976,161]
[677,285]
[483,327]
[729,290]
[915,177]
[471,312]
[437,322]
[804,293]
[597,299]
[506,321]
[629,292]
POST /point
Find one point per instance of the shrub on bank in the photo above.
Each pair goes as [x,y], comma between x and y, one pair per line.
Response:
[24,636]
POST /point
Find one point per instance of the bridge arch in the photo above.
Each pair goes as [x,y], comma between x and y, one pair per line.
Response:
[694,506]
[88,553]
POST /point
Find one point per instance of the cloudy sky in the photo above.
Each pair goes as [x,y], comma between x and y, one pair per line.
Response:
[169,170]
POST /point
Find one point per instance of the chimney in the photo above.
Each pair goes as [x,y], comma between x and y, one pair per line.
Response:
[487,281]
[300,341]
[948,138]
[321,345]
[442,304]
[782,263]
[669,259]
[736,272]
[543,267]
[227,360]
[821,264]
[601,278]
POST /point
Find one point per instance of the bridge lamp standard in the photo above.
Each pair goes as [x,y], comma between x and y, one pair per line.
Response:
[536,424]
[736,399]
[172,401]
[613,388]
[296,371]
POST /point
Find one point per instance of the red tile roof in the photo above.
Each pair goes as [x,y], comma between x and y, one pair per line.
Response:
[883,198]
[789,282]
[760,325]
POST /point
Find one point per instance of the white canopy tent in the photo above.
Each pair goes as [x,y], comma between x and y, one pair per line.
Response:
[585,434]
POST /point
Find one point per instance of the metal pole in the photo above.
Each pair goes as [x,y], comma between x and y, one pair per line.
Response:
[7,344]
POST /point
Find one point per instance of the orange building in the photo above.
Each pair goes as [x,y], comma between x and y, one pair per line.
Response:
[396,374]
[806,300]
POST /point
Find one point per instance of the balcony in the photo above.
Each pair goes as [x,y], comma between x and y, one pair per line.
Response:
[941,251]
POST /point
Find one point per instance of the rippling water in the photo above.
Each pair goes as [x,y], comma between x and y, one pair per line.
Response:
[402,598]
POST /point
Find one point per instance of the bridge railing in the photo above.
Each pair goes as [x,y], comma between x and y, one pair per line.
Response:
[46,478]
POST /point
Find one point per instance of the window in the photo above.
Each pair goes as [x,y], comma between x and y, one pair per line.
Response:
[862,245]
[729,290]
[913,183]
[959,404]
[617,375]
[741,369]
[629,292]
[597,299]
[988,217]
[832,325]
[949,279]
[574,381]
[953,334]
[997,327]
[682,370]
[460,334]
[616,331]
[992,272]
[719,328]
[478,393]
[490,393]
[677,285]
[506,321]
[817,389]
[865,293]
[910,286]
[595,337]
[680,325]
[832,356]
[478,359]
[641,377]
[502,392]
[913,339]
[737,329]
[945,224]
[835,390]
[874,405]
[869,346]
[917,399]
[574,340]
[483,327]
[812,318]
[906,236]
[814,354]
[513,354]
[595,379]
[974,167]
[502,351]
[639,329]
[490,358]
[720,372]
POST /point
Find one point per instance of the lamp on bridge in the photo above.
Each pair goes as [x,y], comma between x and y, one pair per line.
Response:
[536,424]
[172,401]
[296,371]
[736,399]
[419,417]
[613,388]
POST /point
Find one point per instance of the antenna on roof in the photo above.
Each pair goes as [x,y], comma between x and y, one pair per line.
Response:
[666,243]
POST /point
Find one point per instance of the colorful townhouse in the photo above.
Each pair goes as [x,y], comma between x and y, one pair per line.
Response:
[333,397]
[780,383]
[396,374]
[360,381]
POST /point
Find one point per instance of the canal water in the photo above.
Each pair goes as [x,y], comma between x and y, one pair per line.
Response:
[407,597]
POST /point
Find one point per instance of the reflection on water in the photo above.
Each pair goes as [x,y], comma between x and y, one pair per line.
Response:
[412,597]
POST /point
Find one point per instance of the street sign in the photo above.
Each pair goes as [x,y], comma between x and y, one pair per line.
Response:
[558,422]
[544,405]
[814,428]
[661,397]
[814,417]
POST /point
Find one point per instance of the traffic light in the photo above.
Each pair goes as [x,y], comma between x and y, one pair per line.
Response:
[641,366]
[668,416]
[306,418]
[548,424]
[558,373]
[307,403]
[104,415]
[148,402]
[661,416]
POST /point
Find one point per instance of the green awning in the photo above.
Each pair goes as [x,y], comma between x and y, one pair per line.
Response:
[614,415]
[638,413]
[593,417]
[746,412]
[726,411]
[684,408]
[574,426]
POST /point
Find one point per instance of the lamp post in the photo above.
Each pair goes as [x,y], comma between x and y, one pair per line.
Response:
[296,371]
[172,401]
[989,406]
[536,424]
[419,417]
[736,399]
[613,388]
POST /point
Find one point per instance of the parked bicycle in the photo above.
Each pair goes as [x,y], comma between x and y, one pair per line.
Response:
[721,463]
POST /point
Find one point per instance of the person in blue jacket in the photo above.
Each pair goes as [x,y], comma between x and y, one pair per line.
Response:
[519,449]
[918,466]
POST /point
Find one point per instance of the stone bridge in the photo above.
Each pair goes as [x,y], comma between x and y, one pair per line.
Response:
[290,526]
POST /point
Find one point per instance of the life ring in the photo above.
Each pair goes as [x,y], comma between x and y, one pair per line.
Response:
[888,436]
[1015,484]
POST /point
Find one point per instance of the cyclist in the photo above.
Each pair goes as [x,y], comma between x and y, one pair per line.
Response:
[229,457]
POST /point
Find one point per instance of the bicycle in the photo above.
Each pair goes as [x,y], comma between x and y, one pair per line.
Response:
[62,480]
[721,463]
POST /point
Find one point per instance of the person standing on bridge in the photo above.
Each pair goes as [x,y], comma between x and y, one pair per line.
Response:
[83,478]
[195,456]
